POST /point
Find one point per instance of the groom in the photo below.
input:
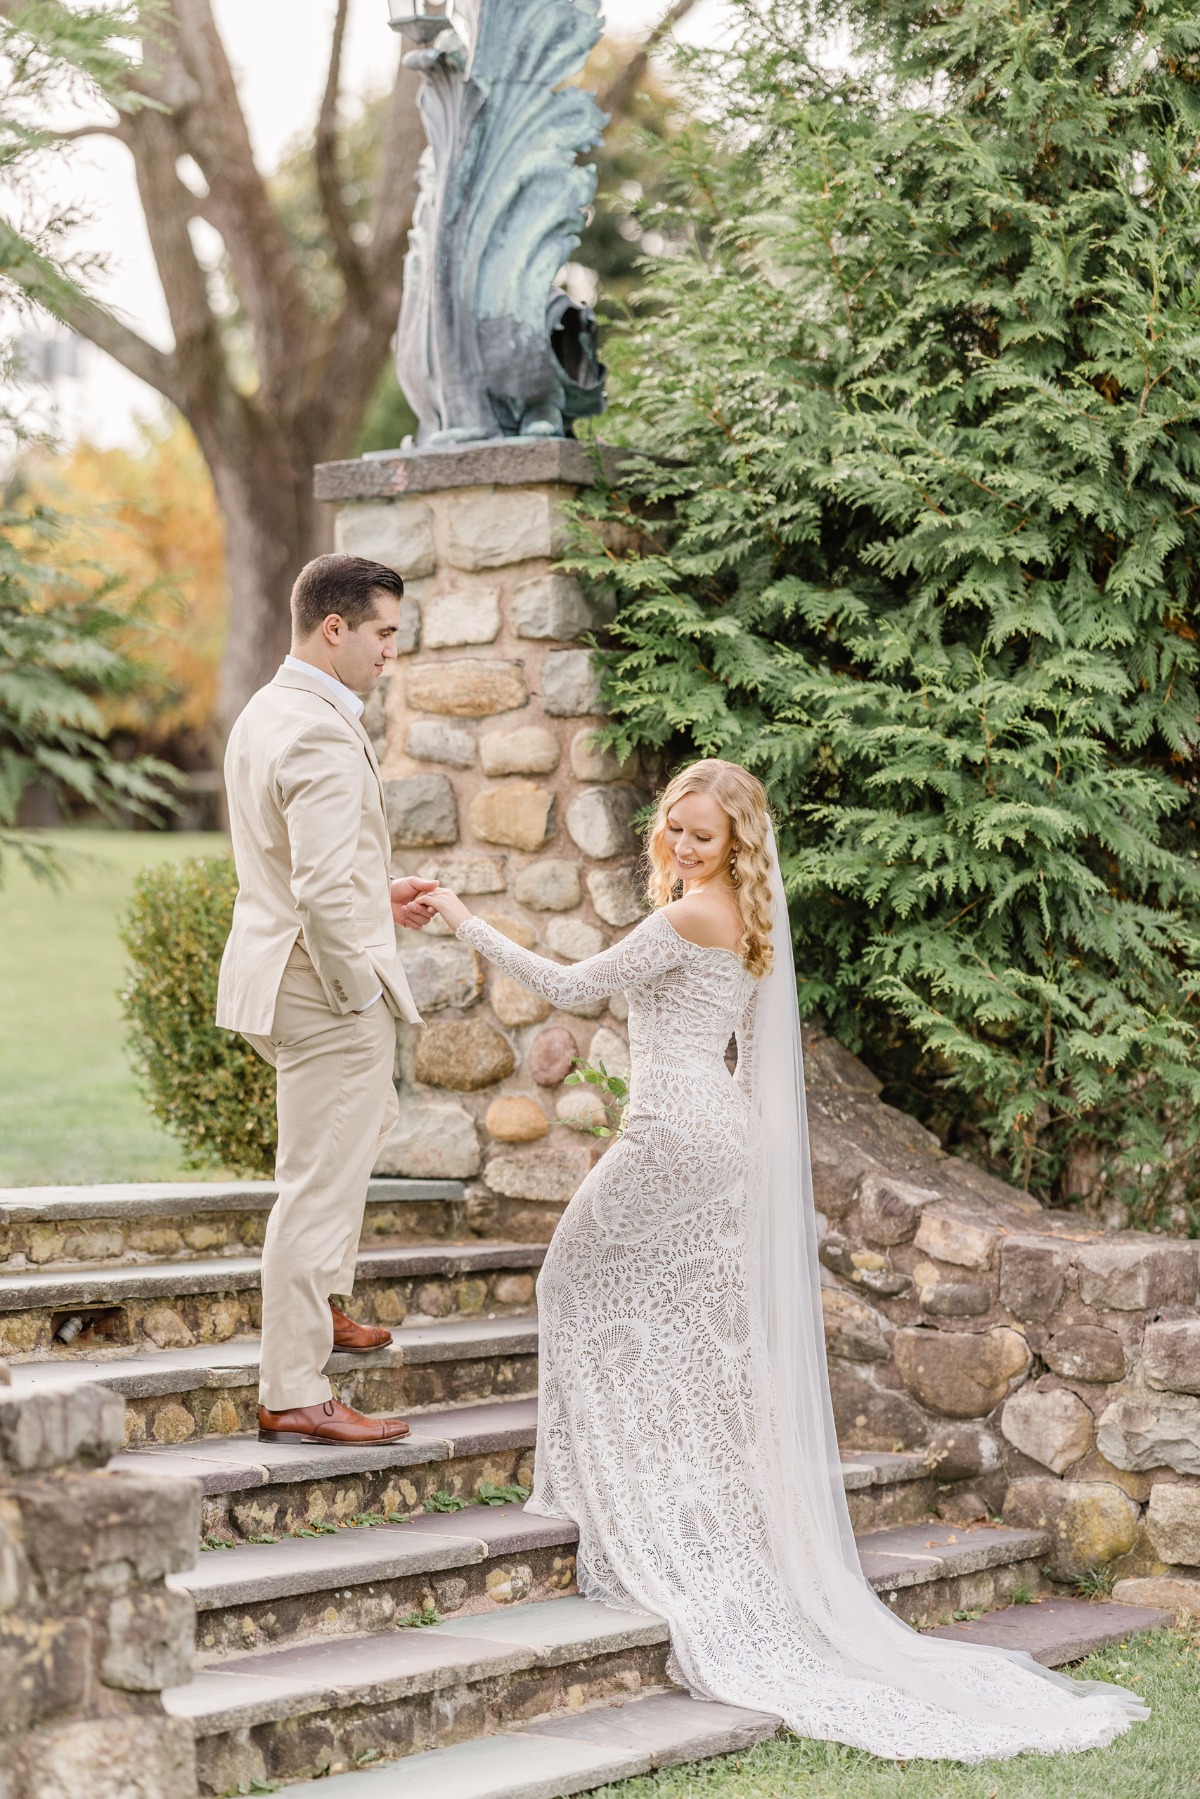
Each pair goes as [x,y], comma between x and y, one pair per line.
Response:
[310,976]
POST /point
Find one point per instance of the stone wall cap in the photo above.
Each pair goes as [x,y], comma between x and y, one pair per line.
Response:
[501,462]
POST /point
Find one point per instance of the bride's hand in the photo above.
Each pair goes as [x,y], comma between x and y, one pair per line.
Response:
[447,905]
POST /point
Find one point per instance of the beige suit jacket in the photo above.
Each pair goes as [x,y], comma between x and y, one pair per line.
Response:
[313,857]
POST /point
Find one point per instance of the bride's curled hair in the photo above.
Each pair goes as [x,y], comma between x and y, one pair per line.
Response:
[743,798]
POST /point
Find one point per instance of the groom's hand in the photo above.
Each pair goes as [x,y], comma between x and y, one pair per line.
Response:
[409,908]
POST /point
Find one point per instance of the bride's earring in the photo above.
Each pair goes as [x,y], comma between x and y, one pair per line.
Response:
[734,876]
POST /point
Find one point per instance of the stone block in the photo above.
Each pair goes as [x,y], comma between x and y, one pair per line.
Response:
[964,1451]
[549,885]
[527,750]
[1054,1428]
[45,1667]
[516,1005]
[1085,1352]
[398,533]
[1151,1430]
[466,873]
[1135,1277]
[548,1174]
[890,1210]
[614,896]
[1171,1355]
[618,1005]
[551,1054]
[1090,1522]
[441,974]
[570,684]
[127,1757]
[852,1328]
[574,940]
[433,740]
[515,929]
[44,1429]
[1033,1276]
[592,762]
[93,1530]
[150,1640]
[465,689]
[869,1416]
[1173,1520]
[518,815]
[1174,1592]
[516,1118]
[583,1108]
[463,1056]
[610,1048]
[451,619]
[421,809]
[490,530]
[555,605]
[956,1240]
[600,821]
[955,1299]
[959,1373]
[167,1329]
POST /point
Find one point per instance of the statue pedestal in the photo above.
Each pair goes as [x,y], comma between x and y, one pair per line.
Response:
[484,733]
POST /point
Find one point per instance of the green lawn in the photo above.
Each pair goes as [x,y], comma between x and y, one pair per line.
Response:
[69,1108]
[1159,1759]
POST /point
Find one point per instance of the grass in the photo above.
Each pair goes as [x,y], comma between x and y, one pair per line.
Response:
[1159,1759]
[70,1110]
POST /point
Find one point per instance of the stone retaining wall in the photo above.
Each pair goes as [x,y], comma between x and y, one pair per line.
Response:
[89,1633]
[484,732]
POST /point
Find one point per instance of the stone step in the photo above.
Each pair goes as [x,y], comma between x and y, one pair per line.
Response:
[1055,1631]
[260,1594]
[149,1220]
[327,1707]
[251,1488]
[211,1298]
[211,1390]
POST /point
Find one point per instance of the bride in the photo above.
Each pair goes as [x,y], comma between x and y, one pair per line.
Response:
[684,1418]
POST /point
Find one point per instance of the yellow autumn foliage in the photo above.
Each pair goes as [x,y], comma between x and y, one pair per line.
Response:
[147,519]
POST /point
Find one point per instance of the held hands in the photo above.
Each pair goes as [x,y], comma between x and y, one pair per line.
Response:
[411,898]
[448,906]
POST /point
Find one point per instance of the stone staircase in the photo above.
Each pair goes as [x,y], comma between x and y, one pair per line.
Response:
[390,1621]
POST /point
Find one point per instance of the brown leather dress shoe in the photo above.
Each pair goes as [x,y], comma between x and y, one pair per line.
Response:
[332,1422]
[358,1339]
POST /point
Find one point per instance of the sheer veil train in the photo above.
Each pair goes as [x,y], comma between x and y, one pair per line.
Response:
[855,1634]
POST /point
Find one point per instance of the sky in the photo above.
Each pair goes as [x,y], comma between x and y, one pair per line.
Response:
[278,50]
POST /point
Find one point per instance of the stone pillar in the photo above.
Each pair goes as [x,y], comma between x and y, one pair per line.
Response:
[89,1632]
[484,732]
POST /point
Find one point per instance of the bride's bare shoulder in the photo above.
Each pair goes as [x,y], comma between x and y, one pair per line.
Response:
[708,920]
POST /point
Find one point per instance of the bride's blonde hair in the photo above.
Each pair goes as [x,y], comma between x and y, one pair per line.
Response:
[743,798]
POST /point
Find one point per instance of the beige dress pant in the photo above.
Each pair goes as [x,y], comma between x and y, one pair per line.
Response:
[337,1105]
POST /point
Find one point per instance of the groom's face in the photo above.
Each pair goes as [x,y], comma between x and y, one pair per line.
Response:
[359,655]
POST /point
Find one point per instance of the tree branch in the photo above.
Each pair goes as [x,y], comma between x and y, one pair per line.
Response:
[616,97]
[325,156]
[400,152]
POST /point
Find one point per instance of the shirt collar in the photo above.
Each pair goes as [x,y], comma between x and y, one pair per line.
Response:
[337,688]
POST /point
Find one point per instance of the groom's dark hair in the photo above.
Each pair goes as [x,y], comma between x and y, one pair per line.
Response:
[346,585]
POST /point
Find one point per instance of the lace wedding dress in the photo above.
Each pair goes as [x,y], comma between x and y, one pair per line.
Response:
[684,1422]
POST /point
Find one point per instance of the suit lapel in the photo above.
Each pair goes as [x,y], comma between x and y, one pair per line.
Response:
[288,677]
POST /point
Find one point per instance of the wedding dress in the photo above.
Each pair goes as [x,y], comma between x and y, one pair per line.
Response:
[684,1419]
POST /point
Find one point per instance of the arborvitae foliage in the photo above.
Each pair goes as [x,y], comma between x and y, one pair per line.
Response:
[921,543]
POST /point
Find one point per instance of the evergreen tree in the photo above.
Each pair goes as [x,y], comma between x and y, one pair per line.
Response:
[917,539]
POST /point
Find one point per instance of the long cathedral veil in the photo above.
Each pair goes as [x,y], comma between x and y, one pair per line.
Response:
[849,1627]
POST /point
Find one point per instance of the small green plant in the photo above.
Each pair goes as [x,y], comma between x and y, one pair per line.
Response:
[487,1493]
[218,1543]
[1095,1583]
[1022,1593]
[303,1530]
[614,1096]
[263,1537]
[428,1614]
[324,1530]
[397,1518]
[368,1520]
[208,1087]
[444,1502]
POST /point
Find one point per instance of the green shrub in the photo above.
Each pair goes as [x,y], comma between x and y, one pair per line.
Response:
[208,1087]
[919,544]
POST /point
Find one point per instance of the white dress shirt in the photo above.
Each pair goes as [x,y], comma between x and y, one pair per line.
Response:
[356,703]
